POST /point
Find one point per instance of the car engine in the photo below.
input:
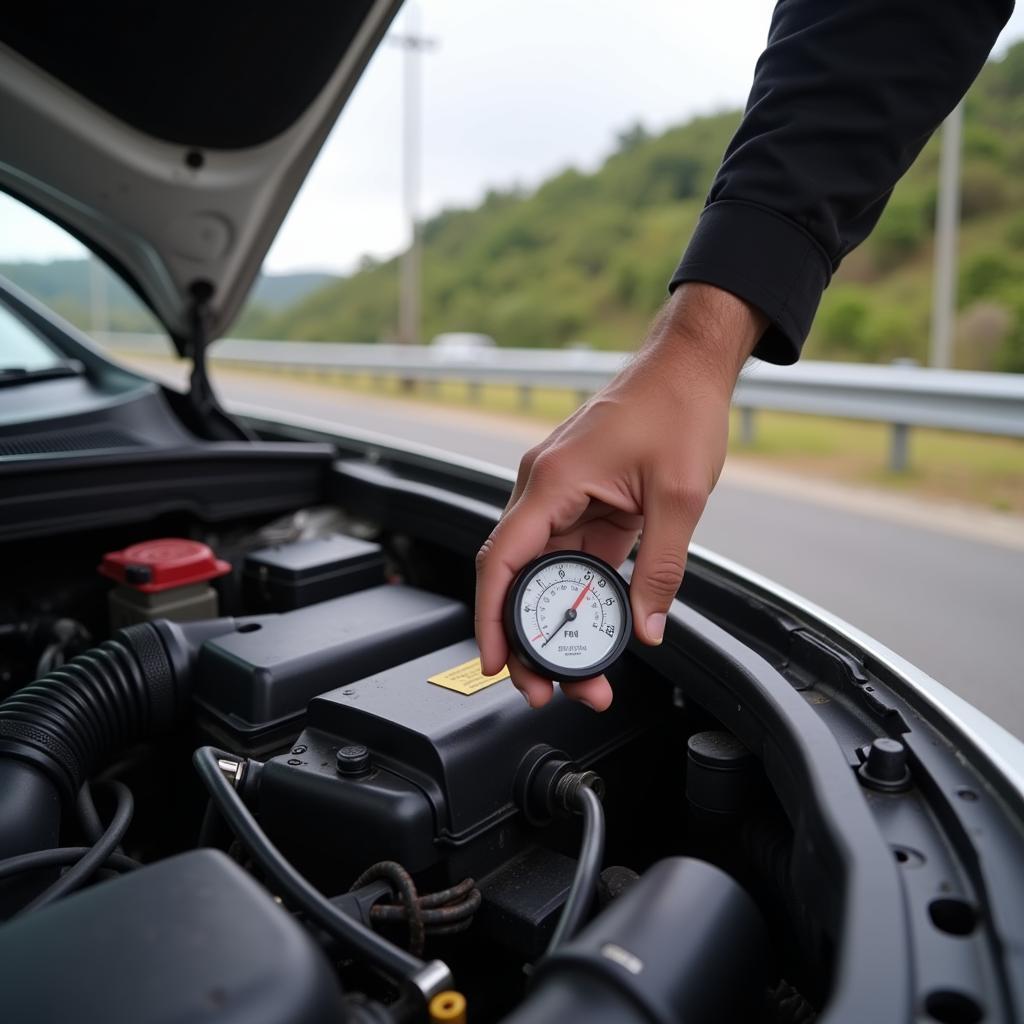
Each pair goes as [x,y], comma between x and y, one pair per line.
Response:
[255,774]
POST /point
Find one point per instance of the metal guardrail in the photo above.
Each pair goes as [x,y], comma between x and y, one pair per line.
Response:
[901,396]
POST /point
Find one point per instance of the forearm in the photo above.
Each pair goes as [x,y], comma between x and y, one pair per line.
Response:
[702,333]
[844,98]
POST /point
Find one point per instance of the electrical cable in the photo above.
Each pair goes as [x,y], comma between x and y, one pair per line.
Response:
[88,816]
[427,977]
[441,915]
[405,888]
[60,857]
[588,868]
[436,913]
[444,897]
[213,830]
[83,869]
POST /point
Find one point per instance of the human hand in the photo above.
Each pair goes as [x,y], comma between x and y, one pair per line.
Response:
[642,455]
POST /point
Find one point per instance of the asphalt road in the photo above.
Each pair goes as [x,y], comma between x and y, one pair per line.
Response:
[949,599]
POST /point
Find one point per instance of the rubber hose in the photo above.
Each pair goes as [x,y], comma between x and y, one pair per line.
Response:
[58,731]
[583,891]
[60,857]
[69,721]
[134,686]
[97,856]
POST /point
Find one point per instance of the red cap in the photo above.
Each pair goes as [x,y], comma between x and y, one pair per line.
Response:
[156,565]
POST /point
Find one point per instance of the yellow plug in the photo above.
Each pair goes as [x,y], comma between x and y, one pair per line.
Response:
[448,1008]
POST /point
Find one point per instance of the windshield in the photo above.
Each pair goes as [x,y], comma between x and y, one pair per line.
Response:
[41,258]
[22,349]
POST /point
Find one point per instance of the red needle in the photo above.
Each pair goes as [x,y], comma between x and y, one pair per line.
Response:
[583,594]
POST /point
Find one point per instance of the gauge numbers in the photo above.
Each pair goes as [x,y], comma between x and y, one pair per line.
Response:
[567,615]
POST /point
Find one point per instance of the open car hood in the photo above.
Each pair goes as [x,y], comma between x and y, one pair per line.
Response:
[172,140]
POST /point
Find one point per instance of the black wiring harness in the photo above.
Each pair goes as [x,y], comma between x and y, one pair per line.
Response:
[446,912]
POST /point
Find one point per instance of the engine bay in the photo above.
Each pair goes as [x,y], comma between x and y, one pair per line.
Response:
[303,802]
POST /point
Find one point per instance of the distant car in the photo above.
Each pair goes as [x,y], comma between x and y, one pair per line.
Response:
[462,345]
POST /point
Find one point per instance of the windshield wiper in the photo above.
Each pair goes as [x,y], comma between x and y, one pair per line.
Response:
[10,375]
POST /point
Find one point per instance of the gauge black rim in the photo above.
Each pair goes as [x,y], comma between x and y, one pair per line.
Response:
[517,637]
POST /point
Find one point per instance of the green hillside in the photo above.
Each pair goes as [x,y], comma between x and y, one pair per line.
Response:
[71,287]
[585,257]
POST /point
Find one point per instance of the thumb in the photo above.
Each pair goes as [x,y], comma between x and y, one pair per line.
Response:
[669,522]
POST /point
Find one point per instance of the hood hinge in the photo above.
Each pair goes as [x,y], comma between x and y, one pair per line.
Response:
[210,417]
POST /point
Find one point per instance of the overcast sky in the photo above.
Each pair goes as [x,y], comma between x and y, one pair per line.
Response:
[511,94]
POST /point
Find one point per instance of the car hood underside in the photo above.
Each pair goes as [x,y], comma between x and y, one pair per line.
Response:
[172,142]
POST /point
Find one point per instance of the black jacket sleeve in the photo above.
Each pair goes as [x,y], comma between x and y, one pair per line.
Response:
[844,98]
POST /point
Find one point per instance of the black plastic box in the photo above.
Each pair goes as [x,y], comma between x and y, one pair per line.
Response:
[252,686]
[289,576]
[438,788]
[189,939]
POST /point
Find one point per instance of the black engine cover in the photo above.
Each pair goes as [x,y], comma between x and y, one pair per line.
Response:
[192,938]
[438,785]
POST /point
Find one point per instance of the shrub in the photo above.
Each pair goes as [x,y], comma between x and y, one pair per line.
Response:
[1010,358]
[898,235]
[981,331]
[1014,231]
[891,332]
[842,323]
[984,275]
[982,190]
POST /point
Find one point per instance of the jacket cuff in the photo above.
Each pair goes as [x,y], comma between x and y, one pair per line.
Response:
[765,259]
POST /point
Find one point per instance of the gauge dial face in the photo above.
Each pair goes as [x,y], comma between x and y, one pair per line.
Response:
[567,615]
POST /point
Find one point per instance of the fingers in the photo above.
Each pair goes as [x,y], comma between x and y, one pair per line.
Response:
[552,501]
[536,689]
[670,516]
[520,536]
[595,693]
[523,475]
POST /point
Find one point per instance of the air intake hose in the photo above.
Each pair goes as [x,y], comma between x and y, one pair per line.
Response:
[58,731]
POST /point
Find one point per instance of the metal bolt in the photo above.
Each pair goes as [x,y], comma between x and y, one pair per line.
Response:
[353,760]
[232,769]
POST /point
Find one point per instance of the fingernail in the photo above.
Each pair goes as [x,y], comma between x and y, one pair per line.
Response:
[656,627]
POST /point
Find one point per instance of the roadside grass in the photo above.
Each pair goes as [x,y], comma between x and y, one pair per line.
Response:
[971,468]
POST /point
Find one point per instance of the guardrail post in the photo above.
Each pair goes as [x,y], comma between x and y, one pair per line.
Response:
[899,447]
[473,388]
[525,396]
[747,431]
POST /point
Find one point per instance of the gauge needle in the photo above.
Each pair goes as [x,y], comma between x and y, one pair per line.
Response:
[570,613]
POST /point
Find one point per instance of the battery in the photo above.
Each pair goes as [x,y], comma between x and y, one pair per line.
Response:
[289,576]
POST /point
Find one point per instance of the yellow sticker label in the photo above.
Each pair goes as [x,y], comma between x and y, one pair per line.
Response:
[467,678]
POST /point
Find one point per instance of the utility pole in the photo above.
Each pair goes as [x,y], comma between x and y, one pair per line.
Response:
[413,44]
[947,221]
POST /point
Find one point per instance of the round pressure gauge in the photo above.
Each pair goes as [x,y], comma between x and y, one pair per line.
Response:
[567,615]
